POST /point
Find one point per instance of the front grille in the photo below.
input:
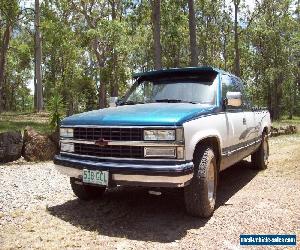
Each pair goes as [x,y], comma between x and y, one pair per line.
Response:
[109,151]
[114,134]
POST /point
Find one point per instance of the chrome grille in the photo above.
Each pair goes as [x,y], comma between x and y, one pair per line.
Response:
[109,151]
[114,134]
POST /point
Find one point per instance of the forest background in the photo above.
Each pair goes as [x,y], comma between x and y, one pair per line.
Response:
[79,53]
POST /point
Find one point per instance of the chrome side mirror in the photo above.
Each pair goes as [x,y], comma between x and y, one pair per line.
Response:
[113,101]
[234,99]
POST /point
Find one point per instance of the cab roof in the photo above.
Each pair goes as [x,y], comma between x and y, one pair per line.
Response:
[178,72]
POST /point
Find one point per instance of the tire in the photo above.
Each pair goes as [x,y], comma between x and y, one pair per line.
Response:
[259,158]
[200,194]
[86,192]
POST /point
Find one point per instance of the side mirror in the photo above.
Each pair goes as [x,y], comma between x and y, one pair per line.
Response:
[113,101]
[234,99]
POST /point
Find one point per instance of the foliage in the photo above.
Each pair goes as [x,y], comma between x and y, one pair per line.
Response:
[55,107]
[91,48]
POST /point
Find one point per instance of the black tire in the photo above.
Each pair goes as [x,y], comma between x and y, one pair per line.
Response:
[259,158]
[86,192]
[198,201]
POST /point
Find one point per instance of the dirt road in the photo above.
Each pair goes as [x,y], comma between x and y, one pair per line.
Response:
[38,209]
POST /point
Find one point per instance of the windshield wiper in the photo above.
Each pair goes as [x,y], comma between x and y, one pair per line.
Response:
[169,100]
[174,101]
[130,103]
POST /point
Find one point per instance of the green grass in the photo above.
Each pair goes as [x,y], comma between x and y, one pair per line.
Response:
[18,121]
[11,125]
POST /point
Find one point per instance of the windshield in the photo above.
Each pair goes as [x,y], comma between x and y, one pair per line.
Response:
[172,90]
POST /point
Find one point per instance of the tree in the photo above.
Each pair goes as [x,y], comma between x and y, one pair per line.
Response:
[156,33]
[192,30]
[91,48]
[38,60]
[237,69]
[9,11]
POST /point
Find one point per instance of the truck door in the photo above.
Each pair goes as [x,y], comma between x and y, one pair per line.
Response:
[236,122]
[252,131]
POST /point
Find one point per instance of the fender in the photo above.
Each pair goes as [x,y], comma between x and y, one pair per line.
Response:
[265,121]
[202,128]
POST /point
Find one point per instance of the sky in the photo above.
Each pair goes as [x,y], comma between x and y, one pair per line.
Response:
[29,3]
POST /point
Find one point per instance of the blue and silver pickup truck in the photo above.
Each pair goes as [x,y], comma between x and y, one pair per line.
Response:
[174,128]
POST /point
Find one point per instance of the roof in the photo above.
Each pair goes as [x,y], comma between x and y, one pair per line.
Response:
[187,70]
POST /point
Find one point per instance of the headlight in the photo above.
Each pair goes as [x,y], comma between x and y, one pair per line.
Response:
[159,135]
[66,147]
[66,132]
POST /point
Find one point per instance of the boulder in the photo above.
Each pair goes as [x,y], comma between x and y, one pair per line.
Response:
[11,143]
[37,147]
[283,130]
[54,137]
[274,131]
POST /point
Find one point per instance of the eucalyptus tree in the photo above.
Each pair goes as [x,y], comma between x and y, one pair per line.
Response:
[237,69]
[274,47]
[9,13]
[155,5]
[193,36]
[38,59]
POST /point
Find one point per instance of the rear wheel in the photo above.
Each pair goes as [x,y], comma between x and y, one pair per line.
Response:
[200,195]
[86,192]
[260,157]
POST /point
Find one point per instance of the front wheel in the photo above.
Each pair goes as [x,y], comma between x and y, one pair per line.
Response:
[200,195]
[86,192]
[259,158]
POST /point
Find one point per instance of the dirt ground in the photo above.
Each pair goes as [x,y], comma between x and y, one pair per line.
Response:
[39,210]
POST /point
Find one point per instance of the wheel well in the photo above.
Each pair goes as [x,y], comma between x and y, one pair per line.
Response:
[215,144]
[265,130]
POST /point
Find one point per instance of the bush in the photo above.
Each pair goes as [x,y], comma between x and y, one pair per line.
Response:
[56,111]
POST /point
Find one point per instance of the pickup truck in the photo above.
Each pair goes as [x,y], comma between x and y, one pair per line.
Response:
[175,128]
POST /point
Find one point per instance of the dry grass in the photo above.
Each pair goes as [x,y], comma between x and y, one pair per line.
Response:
[249,202]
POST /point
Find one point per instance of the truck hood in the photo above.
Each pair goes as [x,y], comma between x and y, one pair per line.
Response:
[152,114]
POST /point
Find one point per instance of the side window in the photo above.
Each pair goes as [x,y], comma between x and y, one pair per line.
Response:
[246,103]
[230,84]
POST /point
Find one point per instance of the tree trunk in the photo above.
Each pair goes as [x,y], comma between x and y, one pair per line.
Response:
[156,33]
[3,53]
[237,69]
[38,59]
[114,87]
[102,87]
[193,36]
[102,94]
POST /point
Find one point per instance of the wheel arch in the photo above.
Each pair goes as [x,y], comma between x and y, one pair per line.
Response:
[214,142]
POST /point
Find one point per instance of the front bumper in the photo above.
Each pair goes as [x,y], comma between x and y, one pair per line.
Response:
[130,172]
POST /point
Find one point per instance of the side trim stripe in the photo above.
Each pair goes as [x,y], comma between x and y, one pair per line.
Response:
[240,146]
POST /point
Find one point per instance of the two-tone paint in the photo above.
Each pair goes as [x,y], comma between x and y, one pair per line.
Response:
[235,134]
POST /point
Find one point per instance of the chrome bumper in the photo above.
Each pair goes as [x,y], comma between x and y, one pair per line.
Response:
[130,173]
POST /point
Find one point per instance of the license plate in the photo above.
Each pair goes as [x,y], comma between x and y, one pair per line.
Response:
[95,177]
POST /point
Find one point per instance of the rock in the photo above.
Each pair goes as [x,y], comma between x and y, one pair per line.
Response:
[11,143]
[283,130]
[37,147]
[54,137]
[292,129]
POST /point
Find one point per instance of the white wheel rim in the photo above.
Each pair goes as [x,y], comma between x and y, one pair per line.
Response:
[211,182]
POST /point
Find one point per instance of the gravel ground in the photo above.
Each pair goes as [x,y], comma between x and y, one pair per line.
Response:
[39,210]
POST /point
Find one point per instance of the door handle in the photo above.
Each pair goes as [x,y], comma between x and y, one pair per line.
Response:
[244,121]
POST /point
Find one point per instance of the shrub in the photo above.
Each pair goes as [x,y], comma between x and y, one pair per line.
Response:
[56,111]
